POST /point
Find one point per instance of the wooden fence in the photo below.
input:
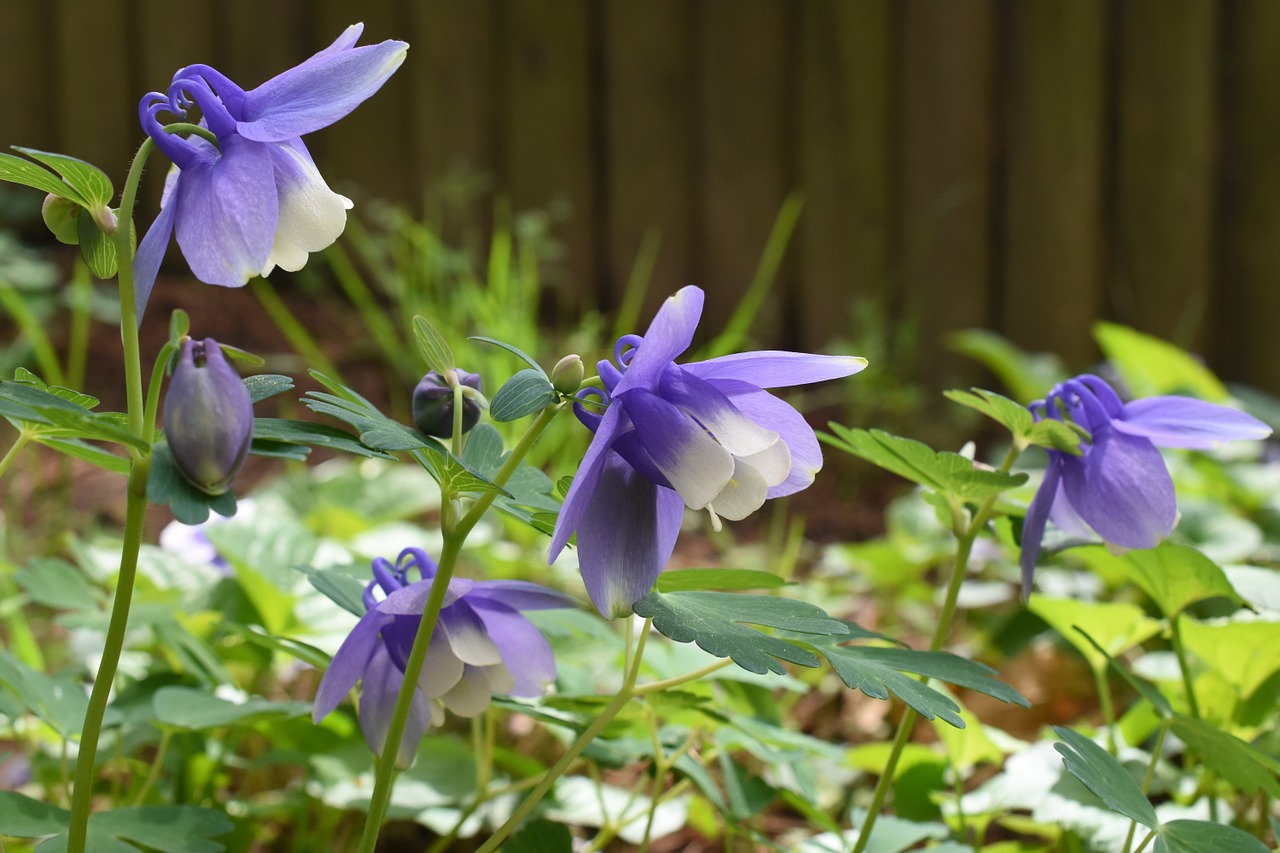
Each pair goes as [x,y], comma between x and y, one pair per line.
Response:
[1024,165]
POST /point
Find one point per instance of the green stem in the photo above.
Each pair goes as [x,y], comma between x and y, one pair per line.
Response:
[123,239]
[82,795]
[1193,703]
[154,772]
[965,537]
[157,380]
[1106,706]
[1165,725]
[13,451]
[454,538]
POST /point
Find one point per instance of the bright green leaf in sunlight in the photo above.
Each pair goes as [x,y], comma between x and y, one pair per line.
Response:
[1150,366]
[723,579]
[1175,576]
[1103,774]
[1246,654]
[1018,420]
[1246,767]
[432,347]
[1117,627]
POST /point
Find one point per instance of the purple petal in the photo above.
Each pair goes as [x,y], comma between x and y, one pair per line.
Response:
[670,334]
[1037,515]
[626,536]
[378,695]
[781,417]
[526,653]
[715,412]
[226,214]
[467,636]
[151,251]
[1123,490]
[348,664]
[585,482]
[411,600]
[318,92]
[311,216]
[1187,422]
[776,369]
[518,595]
[692,461]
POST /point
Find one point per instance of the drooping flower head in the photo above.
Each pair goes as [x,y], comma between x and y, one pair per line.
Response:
[705,435]
[482,645]
[432,403]
[1118,488]
[256,201]
[208,417]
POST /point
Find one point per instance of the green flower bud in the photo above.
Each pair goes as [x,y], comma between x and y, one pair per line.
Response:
[567,375]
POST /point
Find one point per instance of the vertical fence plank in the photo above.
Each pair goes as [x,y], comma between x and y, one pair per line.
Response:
[253,48]
[547,132]
[1163,240]
[93,95]
[742,53]
[451,73]
[25,51]
[1248,280]
[1054,175]
[946,169]
[648,59]
[846,160]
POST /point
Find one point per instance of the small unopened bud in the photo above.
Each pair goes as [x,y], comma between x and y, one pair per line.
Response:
[208,417]
[567,375]
[433,403]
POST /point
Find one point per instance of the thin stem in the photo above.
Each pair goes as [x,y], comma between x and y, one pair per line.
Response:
[123,239]
[1165,725]
[82,795]
[157,379]
[1193,703]
[1107,707]
[154,772]
[13,451]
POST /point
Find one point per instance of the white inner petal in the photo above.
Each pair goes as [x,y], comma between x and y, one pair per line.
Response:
[441,669]
[499,678]
[740,435]
[773,463]
[470,696]
[469,642]
[701,471]
[311,215]
[742,495]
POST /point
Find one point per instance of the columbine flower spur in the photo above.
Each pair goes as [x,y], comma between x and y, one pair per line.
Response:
[704,435]
[256,201]
[482,645]
[1118,488]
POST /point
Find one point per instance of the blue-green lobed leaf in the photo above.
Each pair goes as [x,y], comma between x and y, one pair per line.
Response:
[1103,774]
[523,394]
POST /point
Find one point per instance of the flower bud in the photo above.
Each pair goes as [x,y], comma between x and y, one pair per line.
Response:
[433,403]
[208,417]
[567,375]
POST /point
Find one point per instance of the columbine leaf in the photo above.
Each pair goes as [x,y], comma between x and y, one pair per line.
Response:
[1243,765]
[540,836]
[1103,774]
[432,346]
[521,395]
[90,453]
[18,171]
[90,182]
[1013,416]
[196,710]
[167,829]
[54,410]
[878,671]
[166,485]
[723,579]
[717,622]
[308,434]
[1175,576]
[945,472]
[1200,836]
[266,385]
[518,353]
[97,249]
[339,586]
[23,817]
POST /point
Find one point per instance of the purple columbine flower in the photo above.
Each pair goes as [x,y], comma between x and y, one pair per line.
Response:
[1118,488]
[256,201]
[433,403]
[208,417]
[482,645]
[704,435]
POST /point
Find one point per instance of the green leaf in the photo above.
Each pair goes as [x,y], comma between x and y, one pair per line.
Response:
[339,586]
[727,579]
[1153,696]
[1200,836]
[54,409]
[1246,654]
[90,453]
[717,622]
[1026,375]
[266,385]
[308,434]
[518,353]
[56,583]
[522,395]
[197,710]
[432,346]
[62,217]
[1115,626]
[18,171]
[540,836]
[88,180]
[1150,366]
[23,817]
[97,249]
[1246,767]
[1105,776]
[945,472]
[167,486]
[1175,576]
[1015,417]
[877,671]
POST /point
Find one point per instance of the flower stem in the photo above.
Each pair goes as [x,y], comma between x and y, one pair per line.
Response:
[965,537]
[13,451]
[1150,774]
[454,537]
[82,794]
[1193,703]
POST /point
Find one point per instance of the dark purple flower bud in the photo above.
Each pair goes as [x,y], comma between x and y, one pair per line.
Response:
[208,417]
[433,403]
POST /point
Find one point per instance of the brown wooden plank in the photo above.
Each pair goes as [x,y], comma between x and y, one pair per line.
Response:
[1054,119]
[546,130]
[946,196]
[742,54]
[1164,220]
[253,48]
[26,51]
[1247,285]
[94,96]
[846,158]
[452,100]
[648,67]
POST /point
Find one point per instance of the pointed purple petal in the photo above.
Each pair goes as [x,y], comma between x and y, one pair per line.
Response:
[626,536]
[781,417]
[348,664]
[411,600]
[1123,490]
[715,413]
[526,653]
[151,251]
[1037,515]
[1187,422]
[318,92]
[670,334]
[518,595]
[692,461]
[226,214]
[585,482]
[381,688]
[776,369]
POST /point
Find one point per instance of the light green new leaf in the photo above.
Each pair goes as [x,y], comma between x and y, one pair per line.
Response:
[717,622]
[97,249]
[18,171]
[92,184]
[521,395]
[1150,366]
[432,346]
[1103,774]
[1243,765]
[1245,654]
[1115,626]
[722,579]
[1175,576]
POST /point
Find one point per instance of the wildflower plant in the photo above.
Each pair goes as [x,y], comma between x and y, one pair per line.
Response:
[469,622]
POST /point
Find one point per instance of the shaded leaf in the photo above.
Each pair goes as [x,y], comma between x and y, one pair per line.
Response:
[1243,765]
[23,817]
[522,395]
[432,346]
[167,486]
[1103,774]
[308,434]
[340,587]
[196,710]
[1199,836]
[266,385]
[540,836]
